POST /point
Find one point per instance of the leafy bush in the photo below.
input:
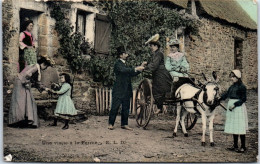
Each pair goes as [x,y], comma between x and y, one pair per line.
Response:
[133,22]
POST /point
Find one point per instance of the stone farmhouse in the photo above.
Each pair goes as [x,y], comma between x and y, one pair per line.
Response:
[227,40]
[84,16]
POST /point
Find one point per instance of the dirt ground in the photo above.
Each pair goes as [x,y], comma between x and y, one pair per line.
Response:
[85,141]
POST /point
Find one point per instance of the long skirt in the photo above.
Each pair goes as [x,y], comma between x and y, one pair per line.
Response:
[161,85]
[236,120]
[23,106]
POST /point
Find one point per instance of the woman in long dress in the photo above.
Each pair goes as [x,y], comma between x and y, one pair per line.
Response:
[236,115]
[27,43]
[23,109]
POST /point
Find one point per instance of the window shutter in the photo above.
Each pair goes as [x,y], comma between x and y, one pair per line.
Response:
[102,34]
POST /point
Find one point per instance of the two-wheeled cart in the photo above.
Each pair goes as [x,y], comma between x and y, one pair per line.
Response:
[145,106]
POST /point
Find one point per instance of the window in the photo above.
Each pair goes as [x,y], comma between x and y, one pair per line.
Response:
[81,22]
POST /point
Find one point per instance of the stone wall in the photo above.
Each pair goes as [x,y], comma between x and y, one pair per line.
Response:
[213,50]
[250,62]
[83,88]
[8,32]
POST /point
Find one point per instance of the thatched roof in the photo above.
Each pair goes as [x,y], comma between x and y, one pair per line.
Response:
[181,3]
[228,10]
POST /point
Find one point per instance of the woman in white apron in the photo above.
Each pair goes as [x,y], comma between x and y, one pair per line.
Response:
[236,115]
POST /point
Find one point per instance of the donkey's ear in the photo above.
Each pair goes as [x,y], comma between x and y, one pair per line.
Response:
[214,74]
[203,75]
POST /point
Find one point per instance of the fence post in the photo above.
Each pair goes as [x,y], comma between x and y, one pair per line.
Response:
[110,100]
[103,103]
[100,98]
[106,100]
[97,102]
[133,108]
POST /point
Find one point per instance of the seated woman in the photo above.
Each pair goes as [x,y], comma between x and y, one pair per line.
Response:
[177,66]
[176,62]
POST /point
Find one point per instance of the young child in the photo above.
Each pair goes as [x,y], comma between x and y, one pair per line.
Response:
[65,107]
[236,116]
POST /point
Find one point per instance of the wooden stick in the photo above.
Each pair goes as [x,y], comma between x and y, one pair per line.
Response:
[110,99]
[183,42]
[133,109]
[100,98]
[130,107]
[106,100]
[103,96]
[97,102]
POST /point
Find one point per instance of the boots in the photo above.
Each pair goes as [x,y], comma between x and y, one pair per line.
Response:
[54,122]
[243,144]
[66,126]
[235,145]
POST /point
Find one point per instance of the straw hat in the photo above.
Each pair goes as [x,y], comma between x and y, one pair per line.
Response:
[52,62]
[153,39]
[237,73]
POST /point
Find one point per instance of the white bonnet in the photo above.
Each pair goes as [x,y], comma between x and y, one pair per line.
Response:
[237,73]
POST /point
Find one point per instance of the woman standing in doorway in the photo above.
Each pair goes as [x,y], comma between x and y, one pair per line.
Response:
[27,54]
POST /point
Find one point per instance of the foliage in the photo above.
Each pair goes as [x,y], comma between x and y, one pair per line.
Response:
[101,69]
[70,43]
[133,22]
[78,52]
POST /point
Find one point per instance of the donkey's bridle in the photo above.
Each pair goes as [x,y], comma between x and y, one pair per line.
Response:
[205,97]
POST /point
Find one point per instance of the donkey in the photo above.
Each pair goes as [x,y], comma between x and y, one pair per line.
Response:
[201,100]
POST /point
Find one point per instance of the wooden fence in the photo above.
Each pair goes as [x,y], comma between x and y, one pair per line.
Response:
[104,101]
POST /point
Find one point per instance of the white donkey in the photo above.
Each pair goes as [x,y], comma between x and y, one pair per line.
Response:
[202,99]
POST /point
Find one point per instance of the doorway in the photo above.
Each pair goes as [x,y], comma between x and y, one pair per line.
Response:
[238,56]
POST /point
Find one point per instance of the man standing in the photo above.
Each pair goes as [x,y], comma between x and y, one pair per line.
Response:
[160,76]
[122,89]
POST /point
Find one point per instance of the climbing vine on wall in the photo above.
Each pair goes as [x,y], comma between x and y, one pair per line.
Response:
[133,22]
[70,42]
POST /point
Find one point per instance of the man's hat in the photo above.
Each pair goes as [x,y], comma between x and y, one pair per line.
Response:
[120,50]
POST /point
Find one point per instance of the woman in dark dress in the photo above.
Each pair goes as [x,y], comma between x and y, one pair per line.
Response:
[27,53]
[161,77]
[236,115]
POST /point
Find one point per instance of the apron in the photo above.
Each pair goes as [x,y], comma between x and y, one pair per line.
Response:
[236,120]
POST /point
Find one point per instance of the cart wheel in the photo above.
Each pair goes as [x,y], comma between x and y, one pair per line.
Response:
[190,120]
[143,103]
